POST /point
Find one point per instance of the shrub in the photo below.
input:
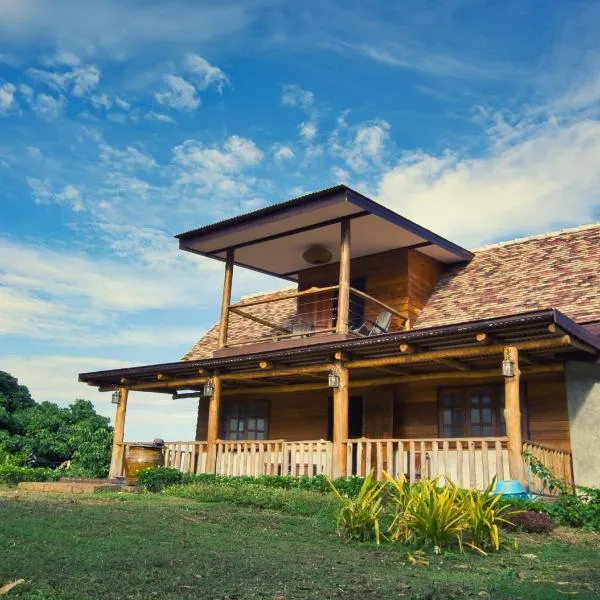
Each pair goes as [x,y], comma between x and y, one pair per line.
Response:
[156,479]
[291,500]
[532,522]
[13,474]
[358,518]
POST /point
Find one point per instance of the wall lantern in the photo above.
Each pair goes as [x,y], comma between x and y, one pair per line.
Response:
[116,397]
[508,365]
[208,389]
[317,255]
[333,380]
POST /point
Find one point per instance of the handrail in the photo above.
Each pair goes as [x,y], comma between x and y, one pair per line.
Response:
[376,301]
[288,296]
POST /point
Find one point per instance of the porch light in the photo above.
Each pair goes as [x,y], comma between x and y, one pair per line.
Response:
[208,389]
[334,380]
[508,366]
[317,255]
[116,396]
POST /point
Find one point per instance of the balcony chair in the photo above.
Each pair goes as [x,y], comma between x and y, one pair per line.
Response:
[380,325]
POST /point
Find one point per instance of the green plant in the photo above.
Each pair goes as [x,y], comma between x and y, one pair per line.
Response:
[358,518]
[401,494]
[156,479]
[14,474]
[532,522]
[484,512]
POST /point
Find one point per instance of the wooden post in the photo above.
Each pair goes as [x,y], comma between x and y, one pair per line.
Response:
[512,415]
[340,421]
[226,299]
[214,405]
[343,307]
[116,462]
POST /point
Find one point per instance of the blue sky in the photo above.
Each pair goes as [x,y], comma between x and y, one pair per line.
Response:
[122,124]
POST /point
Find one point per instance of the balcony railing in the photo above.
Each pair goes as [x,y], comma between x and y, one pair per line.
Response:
[307,313]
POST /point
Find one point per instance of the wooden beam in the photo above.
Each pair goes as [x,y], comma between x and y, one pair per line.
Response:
[512,415]
[264,322]
[162,377]
[265,364]
[212,434]
[482,338]
[124,380]
[173,383]
[407,349]
[286,296]
[226,299]
[453,363]
[178,396]
[343,303]
[340,421]
[469,352]
[118,449]
[381,381]
[278,372]
[489,338]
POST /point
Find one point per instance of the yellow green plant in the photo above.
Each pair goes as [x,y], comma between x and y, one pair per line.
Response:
[484,512]
[359,518]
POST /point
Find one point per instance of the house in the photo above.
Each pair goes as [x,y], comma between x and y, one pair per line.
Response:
[389,348]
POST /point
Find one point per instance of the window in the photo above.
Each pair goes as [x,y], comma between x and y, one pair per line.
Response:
[245,420]
[476,411]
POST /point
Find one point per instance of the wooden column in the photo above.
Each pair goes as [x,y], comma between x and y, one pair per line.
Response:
[116,462]
[226,299]
[214,406]
[343,308]
[512,415]
[340,421]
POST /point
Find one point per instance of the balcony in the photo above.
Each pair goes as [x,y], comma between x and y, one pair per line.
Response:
[295,318]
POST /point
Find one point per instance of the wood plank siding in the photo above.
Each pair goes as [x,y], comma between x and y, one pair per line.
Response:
[408,411]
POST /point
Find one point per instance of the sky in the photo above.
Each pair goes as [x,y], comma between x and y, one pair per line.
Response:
[123,124]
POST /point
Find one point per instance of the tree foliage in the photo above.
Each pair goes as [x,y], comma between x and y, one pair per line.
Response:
[50,435]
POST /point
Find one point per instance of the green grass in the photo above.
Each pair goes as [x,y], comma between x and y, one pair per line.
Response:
[141,546]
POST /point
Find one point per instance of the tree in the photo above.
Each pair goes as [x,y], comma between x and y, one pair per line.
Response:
[51,435]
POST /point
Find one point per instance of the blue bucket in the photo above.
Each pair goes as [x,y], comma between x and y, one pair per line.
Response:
[511,488]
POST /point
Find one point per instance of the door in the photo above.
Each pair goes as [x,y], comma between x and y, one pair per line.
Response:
[355,423]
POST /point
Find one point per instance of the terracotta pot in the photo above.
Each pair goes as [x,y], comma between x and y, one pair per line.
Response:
[142,456]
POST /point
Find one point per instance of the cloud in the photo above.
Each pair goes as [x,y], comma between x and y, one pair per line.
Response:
[205,74]
[161,118]
[307,131]
[295,96]
[79,81]
[362,146]
[7,97]
[282,153]
[62,57]
[536,176]
[69,195]
[217,169]
[179,94]
[45,107]
[129,159]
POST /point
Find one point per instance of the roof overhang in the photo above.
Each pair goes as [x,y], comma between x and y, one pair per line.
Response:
[272,240]
[542,326]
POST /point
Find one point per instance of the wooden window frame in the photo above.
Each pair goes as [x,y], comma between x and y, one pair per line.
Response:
[496,394]
[225,416]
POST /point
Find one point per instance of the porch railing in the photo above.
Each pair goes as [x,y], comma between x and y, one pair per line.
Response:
[558,460]
[470,462]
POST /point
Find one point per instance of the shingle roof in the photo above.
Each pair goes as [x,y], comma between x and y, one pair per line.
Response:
[556,270]
[559,270]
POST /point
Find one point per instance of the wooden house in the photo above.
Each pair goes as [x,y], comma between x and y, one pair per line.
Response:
[390,348]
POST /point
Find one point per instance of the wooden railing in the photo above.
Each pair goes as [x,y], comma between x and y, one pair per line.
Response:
[187,457]
[557,460]
[274,457]
[471,462]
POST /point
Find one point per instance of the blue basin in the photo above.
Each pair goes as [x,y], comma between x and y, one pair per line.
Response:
[510,487]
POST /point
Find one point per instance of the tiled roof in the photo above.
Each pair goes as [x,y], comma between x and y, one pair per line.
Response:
[556,270]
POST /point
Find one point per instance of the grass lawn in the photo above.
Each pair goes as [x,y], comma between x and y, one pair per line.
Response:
[140,546]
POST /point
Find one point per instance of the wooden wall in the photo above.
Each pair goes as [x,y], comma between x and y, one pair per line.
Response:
[402,279]
[407,411]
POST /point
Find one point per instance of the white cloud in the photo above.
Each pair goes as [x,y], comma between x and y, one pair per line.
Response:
[362,146]
[282,153]
[180,94]
[307,131]
[295,96]
[7,97]
[62,57]
[45,107]
[68,196]
[129,159]
[215,168]
[205,74]
[78,81]
[154,116]
[536,176]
